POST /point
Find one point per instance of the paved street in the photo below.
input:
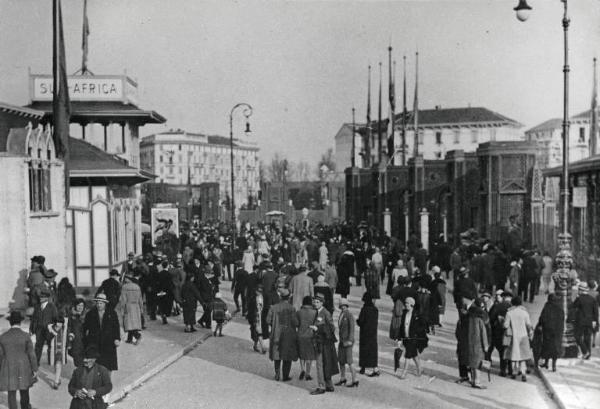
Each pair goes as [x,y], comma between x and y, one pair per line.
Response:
[226,373]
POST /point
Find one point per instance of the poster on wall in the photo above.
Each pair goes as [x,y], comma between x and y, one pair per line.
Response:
[165,230]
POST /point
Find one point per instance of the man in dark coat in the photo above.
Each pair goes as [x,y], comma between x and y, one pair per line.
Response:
[101,328]
[327,361]
[206,292]
[44,315]
[164,291]
[111,287]
[345,270]
[283,341]
[149,284]
[18,363]
[421,258]
[497,315]
[472,342]
[551,323]
[90,382]
[270,296]
[586,319]
[238,287]
[464,286]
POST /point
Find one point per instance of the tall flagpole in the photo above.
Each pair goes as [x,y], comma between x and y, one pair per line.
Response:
[594,116]
[379,118]
[391,97]
[404,113]
[368,144]
[416,107]
[352,159]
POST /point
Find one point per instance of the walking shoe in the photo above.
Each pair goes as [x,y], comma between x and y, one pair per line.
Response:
[524,378]
[276,377]
[301,375]
[373,374]
[329,389]
[362,371]
[352,385]
[308,378]
[318,391]
[286,379]
[340,383]
[461,380]
[192,329]
[478,386]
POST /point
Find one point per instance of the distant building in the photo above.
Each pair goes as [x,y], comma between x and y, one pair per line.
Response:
[441,130]
[548,136]
[179,157]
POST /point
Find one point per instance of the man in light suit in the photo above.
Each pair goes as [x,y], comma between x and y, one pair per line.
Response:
[43,317]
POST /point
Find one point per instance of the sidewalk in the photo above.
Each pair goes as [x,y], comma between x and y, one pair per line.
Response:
[160,346]
[576,383]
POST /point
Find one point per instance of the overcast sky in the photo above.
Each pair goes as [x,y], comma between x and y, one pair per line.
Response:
[303,65]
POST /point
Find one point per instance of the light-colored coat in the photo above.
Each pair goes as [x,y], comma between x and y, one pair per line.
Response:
[130,307]
[301,286]
[17,360]
[518,323]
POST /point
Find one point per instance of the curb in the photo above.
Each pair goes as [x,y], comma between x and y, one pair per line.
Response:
[553,395]
[161,363]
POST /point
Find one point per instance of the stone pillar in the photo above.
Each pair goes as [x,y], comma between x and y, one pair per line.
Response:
[387,222]
[564,279]
[424,228]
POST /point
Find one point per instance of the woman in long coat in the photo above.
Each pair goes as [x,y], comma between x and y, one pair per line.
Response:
[107,336]
[306,348]
[367,321]
[372,281]
[283,339]
[18,364]
[130,308]
[551,322]
[518,326]
[472,343]
[75,331]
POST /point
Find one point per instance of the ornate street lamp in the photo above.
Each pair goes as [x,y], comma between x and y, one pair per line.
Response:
[563,276]
[247,111]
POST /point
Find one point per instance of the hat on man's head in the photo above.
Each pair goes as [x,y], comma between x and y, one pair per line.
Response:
[499,292]
[319,297]
[113,272]
[436,270]
[344,301]
[91,352]
[101,297]
[486,294]
[583,287]
[15,317]
[131,254]
[45,293]
[50,273]
[507,294]
[284,292]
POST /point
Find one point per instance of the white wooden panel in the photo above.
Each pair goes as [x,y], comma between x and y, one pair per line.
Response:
[82,238]
[100,274]
[79,196]
[100,218]
[84,277]
[98,191]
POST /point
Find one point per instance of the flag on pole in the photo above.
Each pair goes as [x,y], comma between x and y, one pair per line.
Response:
[379,146]
[368,133]
[61,105]
[404,114]
[594,116]
[416,107]
[392,101]
[84,39]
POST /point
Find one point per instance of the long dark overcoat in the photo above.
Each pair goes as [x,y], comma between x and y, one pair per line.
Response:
[472,338]
[283,340]
[100,383]
[17,360]
[103,335]
[325,341]
[552,323]
[368,350]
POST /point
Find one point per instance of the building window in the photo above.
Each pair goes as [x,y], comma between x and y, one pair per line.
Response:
[438,138]
[474,135]
[160,158]
[179,146]
[170,160]
[170,170]
[39,188]
[457,136]
[582,134]
[493,134]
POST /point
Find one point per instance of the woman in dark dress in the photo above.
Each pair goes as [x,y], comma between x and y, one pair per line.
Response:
[551,322]
[75,331]
[65,297]
[367,321]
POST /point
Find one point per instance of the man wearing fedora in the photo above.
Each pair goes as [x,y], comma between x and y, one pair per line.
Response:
[111,287]
[283,339]
[44,316]
[90,382]
[586,319]
[101,328]
[18,364]
[324,336]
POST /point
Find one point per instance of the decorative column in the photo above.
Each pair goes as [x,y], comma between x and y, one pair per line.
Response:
[424,228]
[564,278]
[387,222]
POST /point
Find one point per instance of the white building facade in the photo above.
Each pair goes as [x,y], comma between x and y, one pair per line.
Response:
[548,136]
[180,157]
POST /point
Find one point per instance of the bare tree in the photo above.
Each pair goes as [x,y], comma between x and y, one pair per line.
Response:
[326,164]
[279,169]
[302,171]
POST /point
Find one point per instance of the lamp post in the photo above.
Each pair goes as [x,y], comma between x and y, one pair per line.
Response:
[563,276]
[247,111]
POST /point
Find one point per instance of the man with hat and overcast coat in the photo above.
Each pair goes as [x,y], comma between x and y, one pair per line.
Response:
[18,363]
[90,382]
[111,287]
[586,319]
[44,316]
[283,340]
[327,362]
[101,328]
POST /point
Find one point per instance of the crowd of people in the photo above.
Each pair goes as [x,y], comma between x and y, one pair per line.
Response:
[285,283]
